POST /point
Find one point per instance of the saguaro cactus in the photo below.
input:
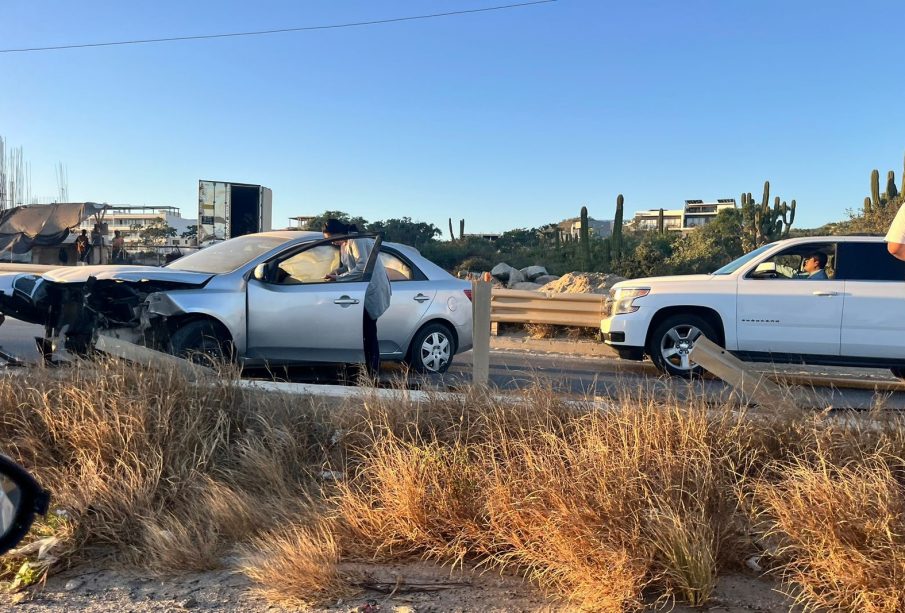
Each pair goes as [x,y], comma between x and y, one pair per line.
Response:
[875,189]
[617,230]
[585,239]
[461,229]
[661,222]
[452,235]
[763,224]
[891,191]
[867,208]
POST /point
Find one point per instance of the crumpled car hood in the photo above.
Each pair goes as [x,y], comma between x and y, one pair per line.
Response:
[80,274]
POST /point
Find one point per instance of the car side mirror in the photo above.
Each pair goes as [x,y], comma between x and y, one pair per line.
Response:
[21,498]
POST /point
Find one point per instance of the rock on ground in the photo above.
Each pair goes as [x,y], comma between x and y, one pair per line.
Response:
[502,271]
[544,279]
[533,272]
[526,285]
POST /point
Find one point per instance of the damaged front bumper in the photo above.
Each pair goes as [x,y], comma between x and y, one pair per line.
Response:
[74,313]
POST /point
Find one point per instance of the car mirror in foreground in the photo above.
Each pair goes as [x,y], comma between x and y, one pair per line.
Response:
[21,498]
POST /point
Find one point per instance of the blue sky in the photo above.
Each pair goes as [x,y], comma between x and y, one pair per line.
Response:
[508,119]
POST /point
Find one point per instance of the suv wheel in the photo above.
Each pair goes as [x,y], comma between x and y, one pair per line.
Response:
[672,342]
[432,349]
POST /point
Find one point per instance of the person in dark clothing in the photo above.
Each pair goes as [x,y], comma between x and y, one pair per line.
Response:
[82,247]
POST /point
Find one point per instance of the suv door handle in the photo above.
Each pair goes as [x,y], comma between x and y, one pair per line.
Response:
[819,293]
[421,298]
[345,301]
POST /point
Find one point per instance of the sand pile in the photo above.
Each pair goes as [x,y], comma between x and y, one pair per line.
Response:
[582,283]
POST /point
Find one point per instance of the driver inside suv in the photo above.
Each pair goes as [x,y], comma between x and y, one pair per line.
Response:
[815,265]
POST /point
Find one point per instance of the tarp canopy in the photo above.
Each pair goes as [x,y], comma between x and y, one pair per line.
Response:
[23,227]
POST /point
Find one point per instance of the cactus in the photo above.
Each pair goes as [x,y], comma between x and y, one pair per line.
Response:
[875,189]
[867,208]
[791,220]
[661,222]
[891,191]
[762,224]
[584,237]
[749,228]
[452,235]
[461,229]
[616,247]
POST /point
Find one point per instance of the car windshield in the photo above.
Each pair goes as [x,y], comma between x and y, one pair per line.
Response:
[228,255]
[737,263]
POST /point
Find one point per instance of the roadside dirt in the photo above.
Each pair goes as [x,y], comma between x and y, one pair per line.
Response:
[419,587]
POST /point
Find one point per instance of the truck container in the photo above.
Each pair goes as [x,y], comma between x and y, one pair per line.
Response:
[227,210]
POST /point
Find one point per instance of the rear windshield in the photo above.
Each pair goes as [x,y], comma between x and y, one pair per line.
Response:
[228,255]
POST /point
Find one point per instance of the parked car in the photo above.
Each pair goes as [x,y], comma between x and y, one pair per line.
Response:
[763,307]
[261,299]
[21,498]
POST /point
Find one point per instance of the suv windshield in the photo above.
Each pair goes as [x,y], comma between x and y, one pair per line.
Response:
[228,255]
[737,263]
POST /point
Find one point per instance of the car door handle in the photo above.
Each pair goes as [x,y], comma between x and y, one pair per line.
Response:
[421,298]
[819,293]
[345,301]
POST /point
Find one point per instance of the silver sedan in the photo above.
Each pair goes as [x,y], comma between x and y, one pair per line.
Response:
[261,299]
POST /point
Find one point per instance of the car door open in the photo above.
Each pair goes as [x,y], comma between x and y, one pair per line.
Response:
[296,315]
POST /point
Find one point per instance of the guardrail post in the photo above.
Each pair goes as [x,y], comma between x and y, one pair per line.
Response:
[750,384]
[480,303]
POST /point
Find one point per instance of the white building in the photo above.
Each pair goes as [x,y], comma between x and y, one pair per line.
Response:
[694,214]
[129,220]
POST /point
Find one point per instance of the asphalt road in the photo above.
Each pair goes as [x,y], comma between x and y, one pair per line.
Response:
[569,375]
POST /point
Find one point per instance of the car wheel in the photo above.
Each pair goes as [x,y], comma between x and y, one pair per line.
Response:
[898,371]
[432,349]
[201,342]
[673,340]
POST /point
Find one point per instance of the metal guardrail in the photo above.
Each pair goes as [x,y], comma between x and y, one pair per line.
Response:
[527,307]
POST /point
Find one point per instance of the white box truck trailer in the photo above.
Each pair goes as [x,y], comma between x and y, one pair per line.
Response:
[227,210]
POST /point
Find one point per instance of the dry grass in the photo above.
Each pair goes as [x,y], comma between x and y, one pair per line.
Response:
[541,331]
[839,532]
[297,565]
[154,471]
[599,507]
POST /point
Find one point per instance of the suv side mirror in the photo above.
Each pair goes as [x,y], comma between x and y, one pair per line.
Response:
[21,498]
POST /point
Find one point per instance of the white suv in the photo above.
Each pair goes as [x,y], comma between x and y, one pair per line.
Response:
[764,308]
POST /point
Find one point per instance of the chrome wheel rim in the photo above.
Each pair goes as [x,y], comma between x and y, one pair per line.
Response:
[435,351]
[676,346]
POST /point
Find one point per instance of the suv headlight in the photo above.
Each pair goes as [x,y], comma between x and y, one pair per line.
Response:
[624,298]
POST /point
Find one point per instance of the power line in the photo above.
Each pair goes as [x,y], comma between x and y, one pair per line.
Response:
[278,31]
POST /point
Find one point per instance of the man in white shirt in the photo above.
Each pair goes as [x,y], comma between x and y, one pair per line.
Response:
[895,238]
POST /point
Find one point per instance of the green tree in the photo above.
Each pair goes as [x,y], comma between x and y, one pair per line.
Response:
[651,257]
[317,223]
[414,233]
[709,247]
[190,232]
[155,233]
